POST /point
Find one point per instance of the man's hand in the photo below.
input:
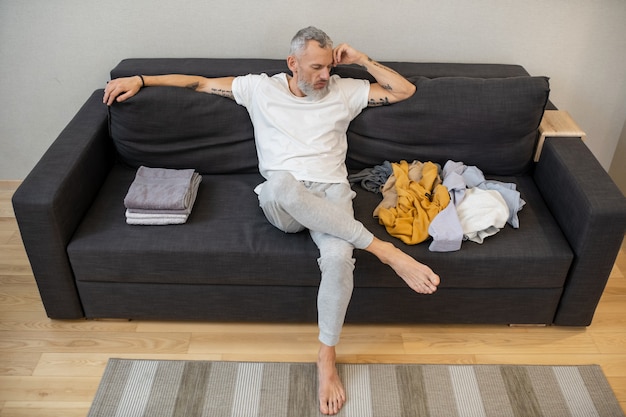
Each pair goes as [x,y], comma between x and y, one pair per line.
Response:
[121,89]
[344,54]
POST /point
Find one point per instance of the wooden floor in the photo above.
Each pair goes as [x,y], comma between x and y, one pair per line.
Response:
[52,368]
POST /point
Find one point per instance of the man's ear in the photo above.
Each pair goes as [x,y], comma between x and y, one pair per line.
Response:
[291,63]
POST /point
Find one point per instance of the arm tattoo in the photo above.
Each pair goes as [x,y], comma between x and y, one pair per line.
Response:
[217,91]
[193,86]
[384,101]
[387,86]
[379,65]
[223,93]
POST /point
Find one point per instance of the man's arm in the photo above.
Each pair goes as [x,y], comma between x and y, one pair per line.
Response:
[390,87]
[121,89]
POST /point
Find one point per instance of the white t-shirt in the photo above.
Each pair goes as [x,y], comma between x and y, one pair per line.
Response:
[303,136]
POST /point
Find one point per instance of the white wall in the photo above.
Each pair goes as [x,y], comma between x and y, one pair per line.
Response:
[54,53]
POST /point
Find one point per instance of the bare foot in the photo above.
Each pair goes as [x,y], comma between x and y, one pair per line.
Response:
[332,395]
[417,275]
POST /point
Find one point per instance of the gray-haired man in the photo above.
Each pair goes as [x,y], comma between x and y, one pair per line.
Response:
[300,122]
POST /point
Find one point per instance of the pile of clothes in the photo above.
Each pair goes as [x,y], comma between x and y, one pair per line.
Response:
[161,196]
[412,197]
[453,204]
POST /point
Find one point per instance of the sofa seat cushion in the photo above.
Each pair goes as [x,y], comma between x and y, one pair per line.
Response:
[536,255]
[227,241]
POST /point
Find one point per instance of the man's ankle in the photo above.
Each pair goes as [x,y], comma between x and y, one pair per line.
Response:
[326,353]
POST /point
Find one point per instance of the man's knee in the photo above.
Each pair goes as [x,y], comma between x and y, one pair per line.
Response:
[336,259]
[272,200]
[281,190]
[278,185]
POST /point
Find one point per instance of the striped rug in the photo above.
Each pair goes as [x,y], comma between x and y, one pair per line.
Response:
[228,389]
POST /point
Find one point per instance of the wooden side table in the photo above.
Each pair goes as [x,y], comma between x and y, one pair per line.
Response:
[557,123]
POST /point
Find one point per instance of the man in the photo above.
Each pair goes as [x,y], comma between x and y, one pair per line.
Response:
[300,124]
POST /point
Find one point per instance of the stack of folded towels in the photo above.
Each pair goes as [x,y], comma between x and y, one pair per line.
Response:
[160,196]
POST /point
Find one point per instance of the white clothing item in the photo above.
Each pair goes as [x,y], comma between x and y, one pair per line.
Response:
[160,215]
[301,135]
[474,178]
[482,213]
[155,219]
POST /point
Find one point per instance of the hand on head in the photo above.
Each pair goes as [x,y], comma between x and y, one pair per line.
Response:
[344,54]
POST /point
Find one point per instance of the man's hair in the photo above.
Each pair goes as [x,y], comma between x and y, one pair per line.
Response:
[298,43]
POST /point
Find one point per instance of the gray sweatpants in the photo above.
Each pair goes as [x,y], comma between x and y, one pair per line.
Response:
[326,211]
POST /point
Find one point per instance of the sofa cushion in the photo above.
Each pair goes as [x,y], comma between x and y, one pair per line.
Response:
[499,106]
[536,255]
[169,127]
[228,241]
[491,123]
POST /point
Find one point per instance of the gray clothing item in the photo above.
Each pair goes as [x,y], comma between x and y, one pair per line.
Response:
[446,229]
[161,189]
[326,211]
[373,179]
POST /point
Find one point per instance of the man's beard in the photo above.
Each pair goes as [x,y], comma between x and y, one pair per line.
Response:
[311,91]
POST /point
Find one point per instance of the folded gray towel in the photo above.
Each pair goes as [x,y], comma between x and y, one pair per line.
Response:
[160,189]
[196,179]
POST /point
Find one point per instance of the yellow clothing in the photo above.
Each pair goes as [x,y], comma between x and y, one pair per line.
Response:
[412,197]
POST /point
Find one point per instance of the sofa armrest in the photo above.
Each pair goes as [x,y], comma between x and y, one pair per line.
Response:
[591,212]
[53,198]
[557,123]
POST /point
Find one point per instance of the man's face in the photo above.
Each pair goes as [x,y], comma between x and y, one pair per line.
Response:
[312,70]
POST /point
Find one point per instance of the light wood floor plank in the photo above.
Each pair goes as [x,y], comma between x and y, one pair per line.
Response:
[33,321]
[94,342]
[18,363]
[56,389]
[45,408]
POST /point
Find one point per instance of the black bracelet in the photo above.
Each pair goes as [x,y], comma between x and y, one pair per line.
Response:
[143,83]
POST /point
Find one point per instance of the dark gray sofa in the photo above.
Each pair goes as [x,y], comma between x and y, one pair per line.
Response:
[228,264]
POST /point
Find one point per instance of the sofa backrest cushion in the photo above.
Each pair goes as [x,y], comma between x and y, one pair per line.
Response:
[170,127]
[488,122]
[178,128]
[481,114]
